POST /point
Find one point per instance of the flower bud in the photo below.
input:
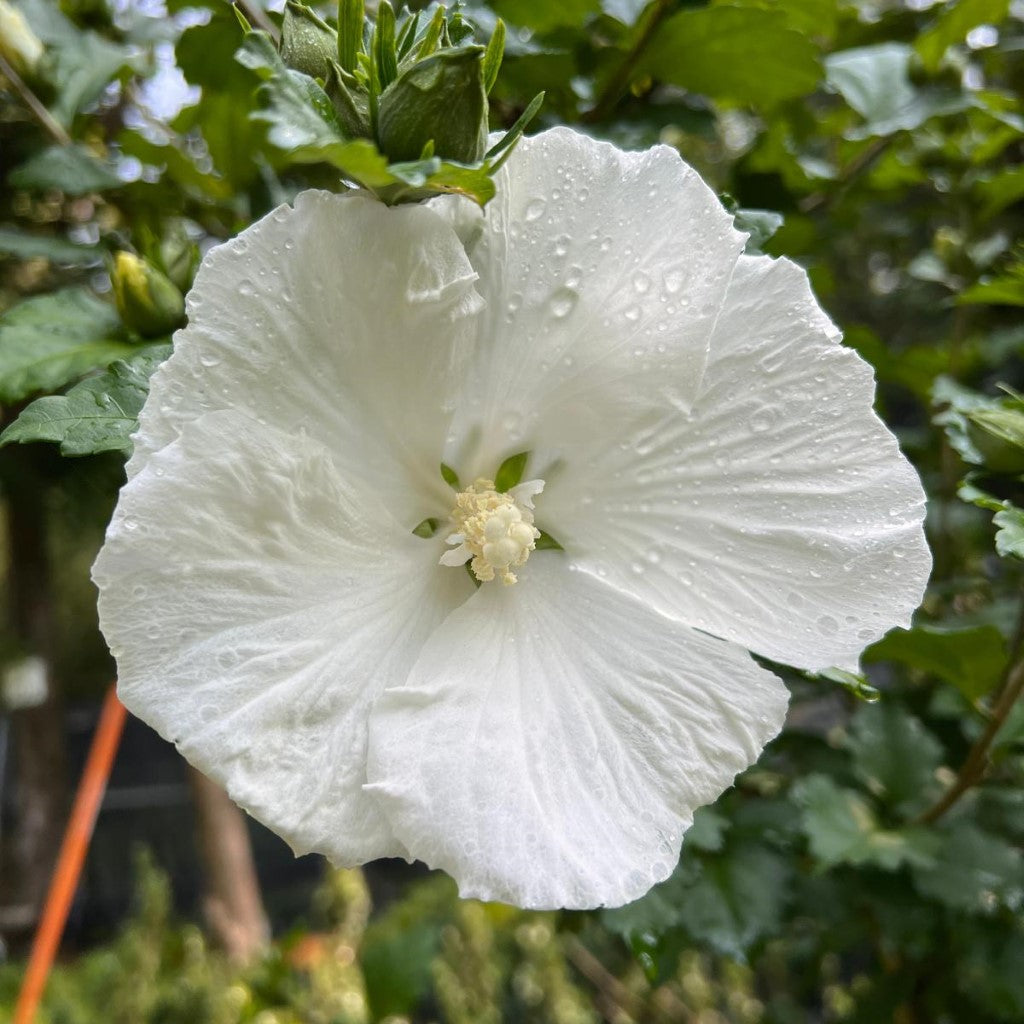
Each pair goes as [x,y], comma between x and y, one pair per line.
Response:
[19,45]
[149,303]
[308,44]
[439,99]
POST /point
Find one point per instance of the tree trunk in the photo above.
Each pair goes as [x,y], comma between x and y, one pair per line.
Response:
[232,903]
[37,730]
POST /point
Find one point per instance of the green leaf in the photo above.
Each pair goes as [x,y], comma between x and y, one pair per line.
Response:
[510,472]
[875,82]
[971,659]
[973,871]
[26,247]
[97,415]
[79,63]
[760,225]
[542,15]
[746,54]
[1005,290]
[50,340]
[72,169]
[728,900]
[1010,534]
[893,754]
[841,828]
[952,26]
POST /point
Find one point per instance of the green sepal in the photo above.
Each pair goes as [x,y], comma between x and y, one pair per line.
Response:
[350,104]
[510,472]
[450,477]
[384,48]
[308,44]
[427,528]
[545,542]
[337,122]
[351,15]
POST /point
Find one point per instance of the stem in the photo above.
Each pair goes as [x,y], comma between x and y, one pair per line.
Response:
[977,757]
[857,166]
[257,16]
[41,114]
[616,85]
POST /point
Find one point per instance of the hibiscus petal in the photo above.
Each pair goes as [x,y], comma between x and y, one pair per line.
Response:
[340,317]
[256,607]
[554,738]
[591,261]
[780,514]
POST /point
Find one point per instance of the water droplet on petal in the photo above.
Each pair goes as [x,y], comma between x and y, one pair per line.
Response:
[563,302]
[535,209]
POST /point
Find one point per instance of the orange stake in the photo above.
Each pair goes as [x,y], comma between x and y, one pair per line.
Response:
[72,856]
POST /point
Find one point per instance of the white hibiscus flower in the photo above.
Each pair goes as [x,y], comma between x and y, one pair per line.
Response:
[700,444]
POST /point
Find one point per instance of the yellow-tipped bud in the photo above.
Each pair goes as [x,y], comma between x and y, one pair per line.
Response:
[19,45]
[148,301]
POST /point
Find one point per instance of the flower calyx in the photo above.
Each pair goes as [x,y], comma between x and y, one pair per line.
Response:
[398,107]
[493,530]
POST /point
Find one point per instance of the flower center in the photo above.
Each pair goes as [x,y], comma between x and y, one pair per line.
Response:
[494,529]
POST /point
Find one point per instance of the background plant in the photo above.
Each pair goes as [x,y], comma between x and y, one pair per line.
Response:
[870,867]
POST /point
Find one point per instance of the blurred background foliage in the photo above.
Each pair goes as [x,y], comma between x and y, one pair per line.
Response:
[869,869]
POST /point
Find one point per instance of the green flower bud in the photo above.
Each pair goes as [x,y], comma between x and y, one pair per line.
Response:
[350,103]
[19,45]
[149,303]
[308,44]
[440,99]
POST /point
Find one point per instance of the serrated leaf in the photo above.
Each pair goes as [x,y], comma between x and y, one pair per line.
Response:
[728,900]
[49,341]
[841,828]
[97,415]
[1010,533]
[973,871]
[72,169]
[893,754]
[971,659]
[746,54]
[301,120]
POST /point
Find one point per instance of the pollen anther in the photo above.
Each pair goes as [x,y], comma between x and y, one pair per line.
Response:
[493,529]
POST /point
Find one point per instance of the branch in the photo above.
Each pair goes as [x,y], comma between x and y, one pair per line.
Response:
[616,85]
[977,758]
[42,115]
[857,166]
